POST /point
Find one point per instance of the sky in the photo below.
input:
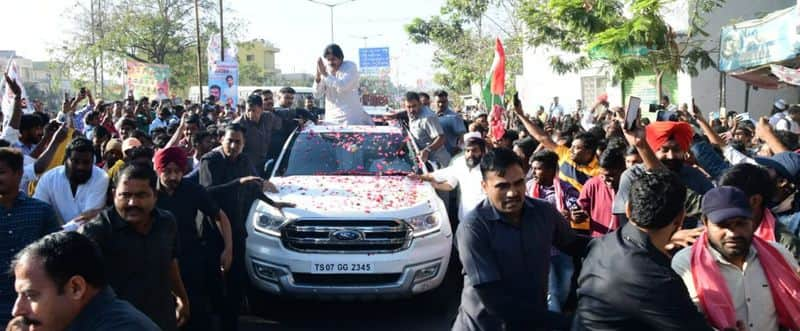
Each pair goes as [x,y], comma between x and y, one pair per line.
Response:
[299,28]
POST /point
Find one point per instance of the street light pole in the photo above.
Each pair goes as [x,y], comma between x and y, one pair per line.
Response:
[331,6]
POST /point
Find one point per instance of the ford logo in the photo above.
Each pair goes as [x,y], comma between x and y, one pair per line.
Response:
[346,235]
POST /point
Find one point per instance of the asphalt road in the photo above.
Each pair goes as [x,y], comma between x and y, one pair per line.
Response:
[430,311]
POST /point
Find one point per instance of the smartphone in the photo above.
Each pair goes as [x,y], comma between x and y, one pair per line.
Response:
[632,114]
[517,101]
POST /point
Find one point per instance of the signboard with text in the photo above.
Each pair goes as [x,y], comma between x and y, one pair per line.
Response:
[148,80]
[373,61]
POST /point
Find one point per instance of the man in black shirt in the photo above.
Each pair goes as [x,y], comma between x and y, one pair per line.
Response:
[627,282]
[504,245]
[230,178]
[201,261]
[140,244]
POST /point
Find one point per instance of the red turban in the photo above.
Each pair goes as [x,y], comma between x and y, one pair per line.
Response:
[166,156]
[658,133]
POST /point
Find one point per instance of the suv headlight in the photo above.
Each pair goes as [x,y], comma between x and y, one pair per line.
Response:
[269,220]
[425,224]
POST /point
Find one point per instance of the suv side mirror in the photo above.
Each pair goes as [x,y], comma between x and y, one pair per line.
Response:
[268,167]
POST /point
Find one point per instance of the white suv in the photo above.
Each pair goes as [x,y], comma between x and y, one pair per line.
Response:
[360,227]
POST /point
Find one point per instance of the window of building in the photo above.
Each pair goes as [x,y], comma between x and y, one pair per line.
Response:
[592,87]
[250,58]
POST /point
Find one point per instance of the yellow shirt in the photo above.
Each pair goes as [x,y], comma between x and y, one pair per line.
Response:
[575,175]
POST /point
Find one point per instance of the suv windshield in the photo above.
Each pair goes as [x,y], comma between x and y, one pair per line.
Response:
[347,153]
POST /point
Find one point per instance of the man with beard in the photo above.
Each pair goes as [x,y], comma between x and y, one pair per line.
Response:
[427,133]
[626,282]
[738,279]
[77,190]
[200,262]
[23,220]
[670,142]
[31,132]
[597,195]
[231,179]
[61,285]
[504,247]
[463,173]
[759,187]
[140,244]
[784,169]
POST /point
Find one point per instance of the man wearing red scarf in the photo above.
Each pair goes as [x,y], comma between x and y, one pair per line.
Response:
[735,277]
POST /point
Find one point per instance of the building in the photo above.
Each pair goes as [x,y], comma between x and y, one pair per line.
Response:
[538,83]
[260,52]
[25,65]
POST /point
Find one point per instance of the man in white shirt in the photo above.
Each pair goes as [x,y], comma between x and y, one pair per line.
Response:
[778,111]
[463,173]
[76,190]
[790,121]
[339,85]
[556,110]
[730,252]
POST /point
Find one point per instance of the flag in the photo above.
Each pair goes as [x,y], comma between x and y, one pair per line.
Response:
[8,96]
[494,90]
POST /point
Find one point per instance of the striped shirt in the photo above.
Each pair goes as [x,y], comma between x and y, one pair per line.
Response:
[573,174]
[27,221]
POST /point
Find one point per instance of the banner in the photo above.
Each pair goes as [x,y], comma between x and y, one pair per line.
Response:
[8,96]
[758,42]
[148,80]
[223,76]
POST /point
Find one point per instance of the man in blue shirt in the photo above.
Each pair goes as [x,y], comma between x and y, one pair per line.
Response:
[61,286]
[451,122]
[23,220]
[504,247]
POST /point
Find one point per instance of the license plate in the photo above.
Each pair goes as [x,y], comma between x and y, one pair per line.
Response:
[342,268]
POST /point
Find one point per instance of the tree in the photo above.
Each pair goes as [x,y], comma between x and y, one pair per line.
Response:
[628,43]
[150,31]
[465,42]
[251,73]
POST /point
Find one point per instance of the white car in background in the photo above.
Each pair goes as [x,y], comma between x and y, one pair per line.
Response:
[360,228]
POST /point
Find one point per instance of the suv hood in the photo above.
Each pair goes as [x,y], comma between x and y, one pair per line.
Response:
[355,196]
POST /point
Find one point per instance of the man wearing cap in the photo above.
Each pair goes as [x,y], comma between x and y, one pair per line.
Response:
[127,146]
[259,126]
[112,152]
[463,173]
[778,112]
[670,142]
[735,278]
[200,263]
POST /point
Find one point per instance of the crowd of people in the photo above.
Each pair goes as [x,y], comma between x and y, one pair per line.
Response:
[131,214]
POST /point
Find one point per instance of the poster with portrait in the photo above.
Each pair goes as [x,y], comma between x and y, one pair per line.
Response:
[223,82]
[148,80]
[223,74]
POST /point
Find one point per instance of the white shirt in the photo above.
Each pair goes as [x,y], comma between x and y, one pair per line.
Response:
[342,103]
[467,180]
[773,120]
[556,110]
[54,189]
[748,286]
[28,173]
[787,124]
[587,120]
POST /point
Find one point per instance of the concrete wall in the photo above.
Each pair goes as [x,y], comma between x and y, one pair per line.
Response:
[705,87]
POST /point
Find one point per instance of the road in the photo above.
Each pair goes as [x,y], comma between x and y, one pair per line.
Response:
[431,311]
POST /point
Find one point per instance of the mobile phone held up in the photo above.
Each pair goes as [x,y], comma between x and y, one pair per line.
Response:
[632,113]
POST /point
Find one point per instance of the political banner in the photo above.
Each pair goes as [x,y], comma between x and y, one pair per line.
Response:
[223,82]
[8,96]
[148,80]
[223,74]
